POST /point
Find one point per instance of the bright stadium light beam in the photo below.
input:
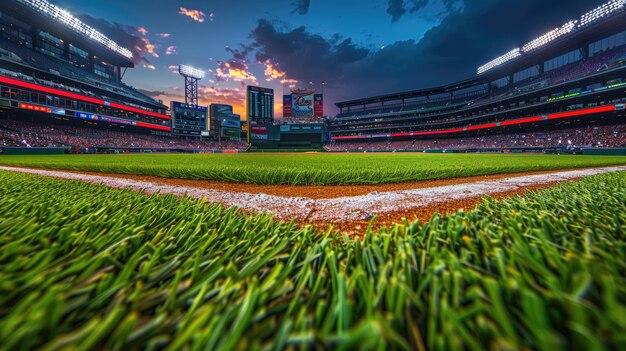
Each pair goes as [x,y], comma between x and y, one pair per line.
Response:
[47,9]
[600,12]
[550,36]
[603,12]
[191,72]
[500,60]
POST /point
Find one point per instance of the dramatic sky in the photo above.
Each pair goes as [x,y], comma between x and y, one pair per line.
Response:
[358,47]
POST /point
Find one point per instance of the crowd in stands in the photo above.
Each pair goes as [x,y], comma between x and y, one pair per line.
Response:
[25,134]
[299,120]
[602,136]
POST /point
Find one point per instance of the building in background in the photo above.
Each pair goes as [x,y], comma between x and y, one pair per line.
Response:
[189,121]
[223,123]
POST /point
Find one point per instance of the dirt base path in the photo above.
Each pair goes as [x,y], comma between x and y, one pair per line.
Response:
[344,210]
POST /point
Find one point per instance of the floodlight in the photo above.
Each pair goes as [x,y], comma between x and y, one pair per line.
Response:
[191,72]
[47,9]
[498,61]
[600,13]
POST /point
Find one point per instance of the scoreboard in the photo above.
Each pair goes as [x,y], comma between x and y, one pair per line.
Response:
[260,105]
[189,120]
[303,103]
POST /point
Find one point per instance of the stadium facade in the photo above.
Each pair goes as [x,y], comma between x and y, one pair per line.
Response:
[572,76]
[56,69]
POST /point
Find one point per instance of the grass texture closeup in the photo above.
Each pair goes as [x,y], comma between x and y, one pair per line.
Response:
[83,267]
[313,169]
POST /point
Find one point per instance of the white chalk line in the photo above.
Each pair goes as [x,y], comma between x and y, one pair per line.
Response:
[334,210]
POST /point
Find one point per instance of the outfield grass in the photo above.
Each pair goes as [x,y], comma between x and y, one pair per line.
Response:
[83,266]
[313,169]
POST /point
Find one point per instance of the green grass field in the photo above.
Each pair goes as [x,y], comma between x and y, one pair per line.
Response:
[312,169]
[83,266]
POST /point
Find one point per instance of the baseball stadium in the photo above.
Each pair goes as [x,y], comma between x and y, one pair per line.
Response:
[488,213]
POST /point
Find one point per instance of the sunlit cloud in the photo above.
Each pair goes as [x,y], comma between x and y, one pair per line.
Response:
[234,71]
[147,48]
[163,35]
[196,15]
[291,83]
[272,72]
[142,30]
[149,67]
[235,97]
[170,50]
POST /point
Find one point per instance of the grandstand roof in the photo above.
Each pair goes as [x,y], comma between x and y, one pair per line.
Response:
[410,94]
[565,44]
[65,32]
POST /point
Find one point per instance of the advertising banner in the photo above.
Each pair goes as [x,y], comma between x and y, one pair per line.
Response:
[287,99]
[87,116]
[191,107]
[231,133]
[319,105]
[302,104]
[35,108]
[58,111]
[258,132]
[231,123]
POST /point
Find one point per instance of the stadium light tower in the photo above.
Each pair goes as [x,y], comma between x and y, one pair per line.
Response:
[192,76]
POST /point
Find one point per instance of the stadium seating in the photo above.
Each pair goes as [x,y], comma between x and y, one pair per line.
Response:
[299,120]
[423,114]
[602,136]
[27,134]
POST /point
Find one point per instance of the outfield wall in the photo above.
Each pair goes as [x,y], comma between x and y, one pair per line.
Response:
[605,152]
[32,150]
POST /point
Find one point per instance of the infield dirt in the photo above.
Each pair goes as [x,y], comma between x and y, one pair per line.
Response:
[349,209]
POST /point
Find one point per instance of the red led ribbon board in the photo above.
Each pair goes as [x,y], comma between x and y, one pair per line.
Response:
[58,92]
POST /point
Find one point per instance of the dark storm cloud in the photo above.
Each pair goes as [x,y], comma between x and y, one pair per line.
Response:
[302,6]
[395,8]
[398,8]
[451,51]
[417,5]
[309,56]
[242,53]
[122,35]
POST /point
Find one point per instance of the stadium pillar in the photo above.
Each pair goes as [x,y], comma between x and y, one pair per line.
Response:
[91,64]
[66,50]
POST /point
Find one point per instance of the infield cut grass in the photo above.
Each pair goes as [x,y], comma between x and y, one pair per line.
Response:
[312,169]
[83,266]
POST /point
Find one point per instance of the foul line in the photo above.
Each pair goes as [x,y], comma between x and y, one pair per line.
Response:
[336,210]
